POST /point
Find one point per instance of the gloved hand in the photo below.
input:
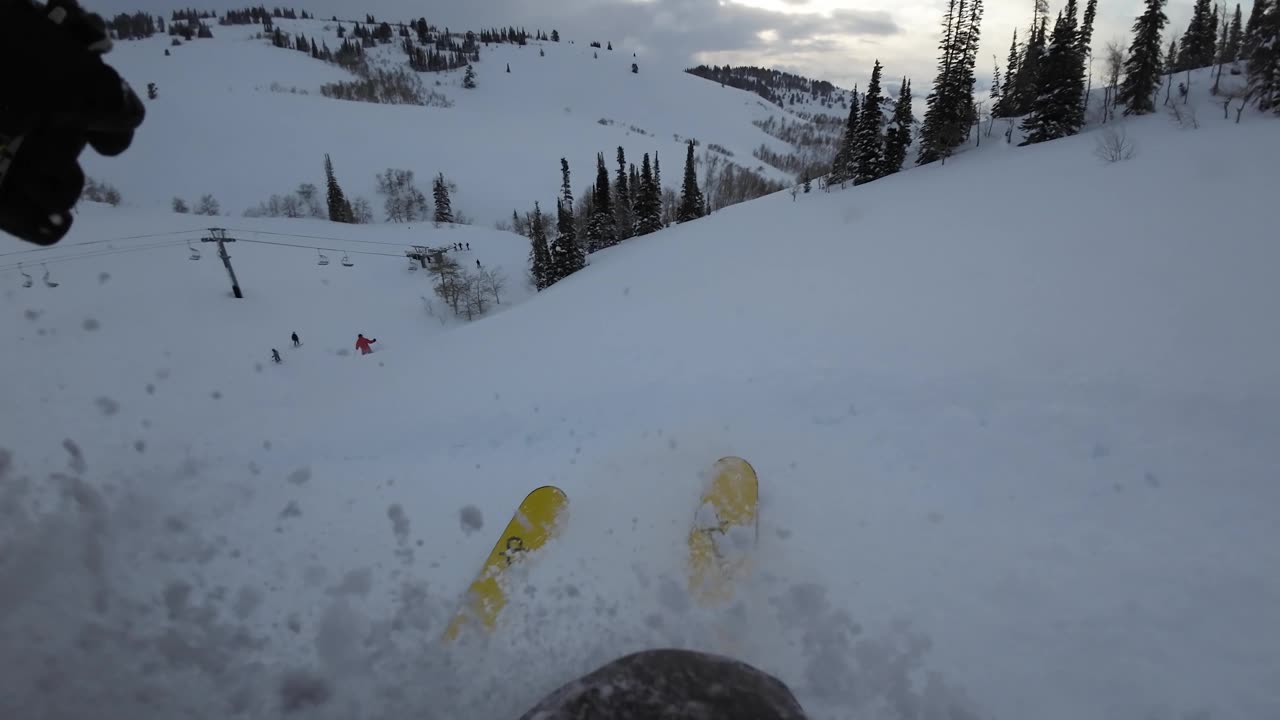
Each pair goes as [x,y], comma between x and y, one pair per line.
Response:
[60,97]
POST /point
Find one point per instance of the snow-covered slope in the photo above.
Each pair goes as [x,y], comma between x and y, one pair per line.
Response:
[219,127]
[1015,419]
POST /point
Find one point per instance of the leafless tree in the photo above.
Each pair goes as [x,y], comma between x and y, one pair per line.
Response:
[1114,145]
[208,205]
[1114,57]
[493,282]
[475,297]
[1185,116]
[448,281]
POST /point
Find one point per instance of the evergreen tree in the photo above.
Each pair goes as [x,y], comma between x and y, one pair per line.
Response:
[539,254]
[898,136]
[1056,112]
[1029,72]
[1086,29]
[1264,63]
[648,207]
[691,203]
[869,142]
[601,232]
[1256,16]
[440,193]
[1235,38]
[995,82]
[633,184]
[1171,57]
[566,255]
[842,167]
[339,209]
[469,78]
[1142,68]
[1007,105]
[950,109]
[624,218]
[1197,43]
[1084,52]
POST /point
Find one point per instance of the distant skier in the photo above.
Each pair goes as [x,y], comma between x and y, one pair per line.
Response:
[275,356]
[468,247]
[477,264]
[296,341]
[363,343]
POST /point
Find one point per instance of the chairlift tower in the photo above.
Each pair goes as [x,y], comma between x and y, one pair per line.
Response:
[219,235]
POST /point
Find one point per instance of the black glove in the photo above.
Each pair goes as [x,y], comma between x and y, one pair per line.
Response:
[59,97]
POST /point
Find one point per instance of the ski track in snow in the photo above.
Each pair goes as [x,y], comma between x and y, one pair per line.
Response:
[1005,472]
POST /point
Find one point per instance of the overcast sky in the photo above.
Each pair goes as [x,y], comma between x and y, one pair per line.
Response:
[836,40]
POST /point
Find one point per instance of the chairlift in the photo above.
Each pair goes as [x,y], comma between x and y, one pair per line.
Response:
[323,260]
[413,265]
[195,253]
[26,279]
[346,261]
[47,281]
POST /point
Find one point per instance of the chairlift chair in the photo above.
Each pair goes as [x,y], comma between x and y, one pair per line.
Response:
[413,265]
[346,261]
[26,279]
[47,281]
[323,260]
[195,253]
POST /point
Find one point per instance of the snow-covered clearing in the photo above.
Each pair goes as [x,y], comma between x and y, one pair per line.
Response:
[1014,419]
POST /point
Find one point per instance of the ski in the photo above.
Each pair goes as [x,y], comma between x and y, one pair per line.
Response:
[536,521]
[725,531]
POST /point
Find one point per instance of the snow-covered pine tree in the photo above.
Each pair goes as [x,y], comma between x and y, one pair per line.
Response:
[1056,112]
[648,207]
[539,254]
[1264,63]
[566,255]
[633,184]
[339,209]
[950,111]
[842,166]
[440,194]
[691,202]
[1007,105]
[601,232]
[657,175]
[897,138]
[1031,64]
[1142,68]
[469,78]
[1235,37]
[623,214]
[1256,16]
[1084,52]
[868,148]
[1198,41]
[995,82]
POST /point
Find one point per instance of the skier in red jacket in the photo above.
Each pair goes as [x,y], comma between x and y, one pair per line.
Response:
[363,343]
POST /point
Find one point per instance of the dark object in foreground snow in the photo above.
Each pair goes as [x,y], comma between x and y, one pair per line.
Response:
[674,684]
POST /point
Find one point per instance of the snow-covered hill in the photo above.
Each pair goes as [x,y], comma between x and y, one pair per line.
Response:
[230,120]
[1015,420]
